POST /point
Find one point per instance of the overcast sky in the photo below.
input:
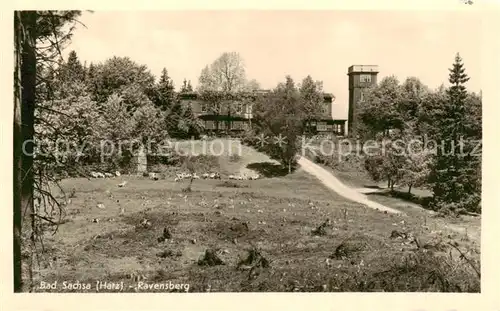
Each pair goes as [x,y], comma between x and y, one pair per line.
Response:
[276,43]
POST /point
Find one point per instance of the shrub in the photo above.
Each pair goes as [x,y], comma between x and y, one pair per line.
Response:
[424,271]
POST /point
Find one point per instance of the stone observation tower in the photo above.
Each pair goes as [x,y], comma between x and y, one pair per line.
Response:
[360,78]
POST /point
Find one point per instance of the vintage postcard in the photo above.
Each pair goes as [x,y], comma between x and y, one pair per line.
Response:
[194,152]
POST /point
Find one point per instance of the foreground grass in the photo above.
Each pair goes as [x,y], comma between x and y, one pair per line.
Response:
[273,218]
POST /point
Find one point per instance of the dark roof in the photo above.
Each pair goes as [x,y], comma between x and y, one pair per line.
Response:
[194,95]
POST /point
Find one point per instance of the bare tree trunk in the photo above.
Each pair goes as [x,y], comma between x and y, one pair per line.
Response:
[291,161]
[28,118]
[409,189]
[24,108]
[228,127]
[217,120]
[18,33]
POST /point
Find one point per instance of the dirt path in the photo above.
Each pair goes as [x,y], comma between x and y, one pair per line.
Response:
[328,179]
[336,185]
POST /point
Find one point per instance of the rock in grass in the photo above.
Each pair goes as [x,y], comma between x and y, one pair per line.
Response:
[239,229]
[166,234]
[321,229]
[169,253]
[347,249]
[145,224]
[210,258]
[254,259]
[165,253]
[398,234]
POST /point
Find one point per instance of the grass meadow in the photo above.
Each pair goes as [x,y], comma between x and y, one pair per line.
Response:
[280,233]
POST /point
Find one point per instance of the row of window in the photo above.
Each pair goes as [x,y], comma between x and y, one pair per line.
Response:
[235,125]
[323,127]
[242,125]
[238,108]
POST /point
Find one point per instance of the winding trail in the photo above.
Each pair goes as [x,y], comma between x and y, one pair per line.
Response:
[336,185]
[328,179]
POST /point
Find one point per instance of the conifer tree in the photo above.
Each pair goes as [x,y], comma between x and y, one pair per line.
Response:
[455,178]
[70,73]
[38,36]
[165,91]
[73,69]
[186,86]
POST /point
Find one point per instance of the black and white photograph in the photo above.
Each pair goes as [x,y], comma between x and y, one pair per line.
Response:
[178,152]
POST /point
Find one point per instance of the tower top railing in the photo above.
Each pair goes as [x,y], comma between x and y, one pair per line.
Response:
[362,69]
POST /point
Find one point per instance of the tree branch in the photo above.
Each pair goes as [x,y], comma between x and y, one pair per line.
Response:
[462,255]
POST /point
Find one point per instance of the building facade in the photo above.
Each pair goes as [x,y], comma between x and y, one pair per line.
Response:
[239,117]
[232,115]
[361,77]
[326,123]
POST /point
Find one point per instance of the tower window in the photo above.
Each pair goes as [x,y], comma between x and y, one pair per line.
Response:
[239,108]
[365,78]
[324,109]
